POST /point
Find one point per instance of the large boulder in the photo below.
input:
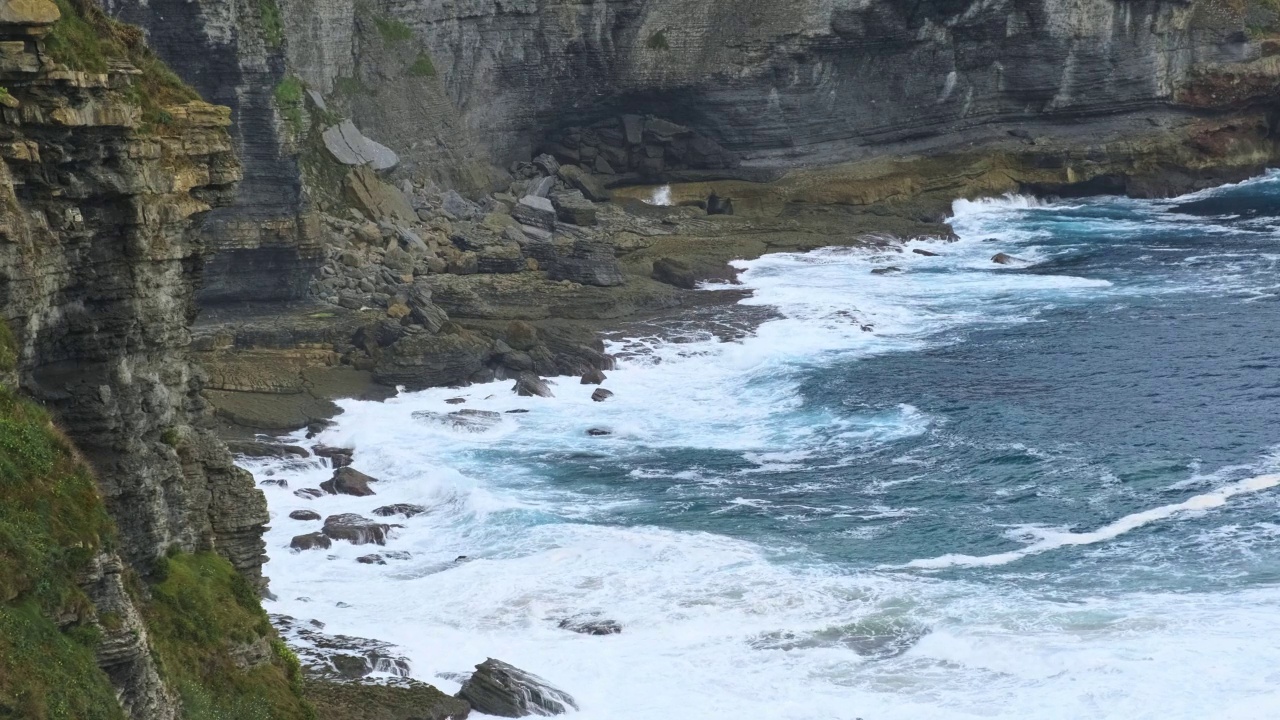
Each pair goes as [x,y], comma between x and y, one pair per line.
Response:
[349,146]
[422,360]
[590,187]
[355,529]
[503,690]
[534,211]
[311,541]
[377,199]
[530,385]
[348,481]
[571,207]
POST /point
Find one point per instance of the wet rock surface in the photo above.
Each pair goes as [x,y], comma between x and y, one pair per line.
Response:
[355,529]
[503,690]
[348,481]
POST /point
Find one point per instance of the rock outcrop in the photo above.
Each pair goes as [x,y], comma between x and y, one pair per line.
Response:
[497,688]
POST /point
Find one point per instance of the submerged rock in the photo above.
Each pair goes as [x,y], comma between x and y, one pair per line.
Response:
[304,515]
[309,493]
[374,559]
[355,529]
[886,270]
[925,253]
[599,432]
[496,688]
[348,481]
[475,421]
[1004,259]
[404,509]
[600,395]
[590,625]
[877,639]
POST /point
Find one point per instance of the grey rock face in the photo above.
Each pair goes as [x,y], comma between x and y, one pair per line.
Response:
[497,688]
[349,146]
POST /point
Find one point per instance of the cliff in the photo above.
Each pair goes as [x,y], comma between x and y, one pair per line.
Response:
[130,564]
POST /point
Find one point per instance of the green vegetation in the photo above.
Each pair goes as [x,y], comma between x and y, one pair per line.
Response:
[84,38]
[289,100]
[198,613]
[423,67]
[393,31]
[8,349]
[272,23]
[52,523]
[349,86]
[658,41]
[6,99]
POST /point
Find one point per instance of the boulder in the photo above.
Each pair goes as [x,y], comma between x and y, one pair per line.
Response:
[530,385]
[349,146]
[925,253]
[348,481]
[503,690]
[886,270]
[458,206]
[402,509]
[594,376]
[546,164]
[598,432]
[573,208]
[674,272]
[600,395]
[542,187]
[377,199]
[310,541]
[309,493]
[590,187]
[534,211]
[374,559]
[304,515]
[633,128]
[355,529]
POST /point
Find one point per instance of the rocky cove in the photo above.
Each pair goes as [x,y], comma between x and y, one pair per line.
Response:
[221,216]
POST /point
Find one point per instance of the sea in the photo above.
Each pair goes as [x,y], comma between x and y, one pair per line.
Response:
[1041,490]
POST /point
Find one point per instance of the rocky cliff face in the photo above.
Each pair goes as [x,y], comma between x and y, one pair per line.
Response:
[100,252]
[782,84]
[263,243]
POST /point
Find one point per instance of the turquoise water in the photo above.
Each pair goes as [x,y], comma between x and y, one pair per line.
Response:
[1038,490]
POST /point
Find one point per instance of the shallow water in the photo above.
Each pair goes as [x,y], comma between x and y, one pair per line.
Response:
[962,490]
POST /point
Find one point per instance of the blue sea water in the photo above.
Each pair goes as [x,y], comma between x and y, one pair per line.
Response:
[1045,489]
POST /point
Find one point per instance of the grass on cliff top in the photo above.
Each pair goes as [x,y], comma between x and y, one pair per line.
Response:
[52,523]
[85,38]
[201,610]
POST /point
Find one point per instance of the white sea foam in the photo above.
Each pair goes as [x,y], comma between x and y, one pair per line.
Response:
[1053,540]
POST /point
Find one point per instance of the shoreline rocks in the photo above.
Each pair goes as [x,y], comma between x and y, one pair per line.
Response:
[503,690]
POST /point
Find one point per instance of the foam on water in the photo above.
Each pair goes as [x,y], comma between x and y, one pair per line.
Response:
[723,627]
[1053,540]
